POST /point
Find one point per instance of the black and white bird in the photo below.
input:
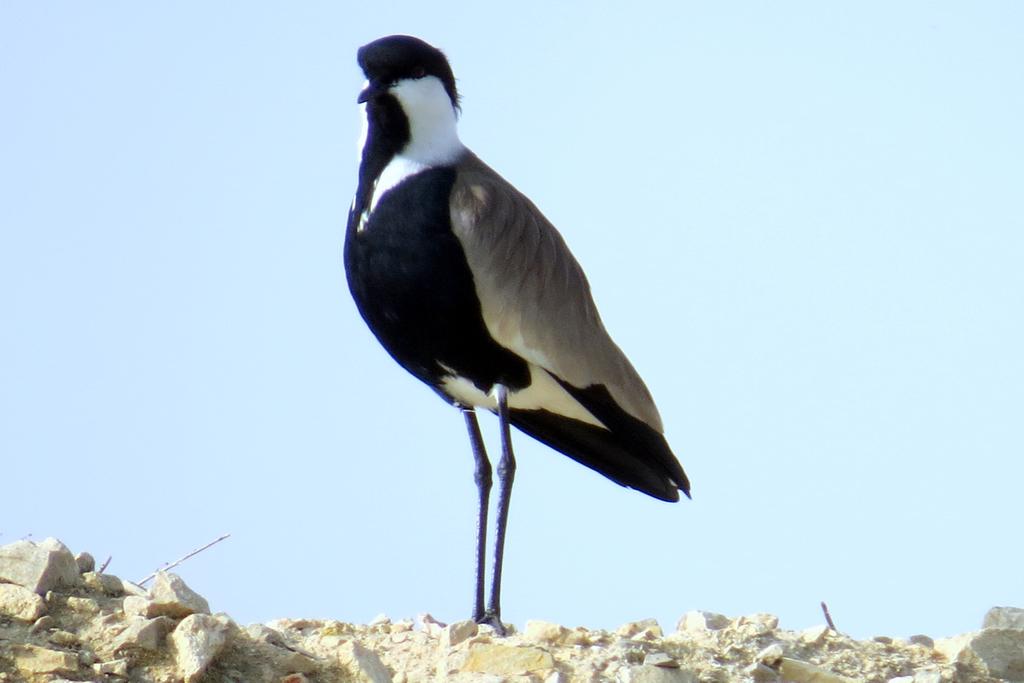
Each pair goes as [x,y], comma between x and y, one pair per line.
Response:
[469,287]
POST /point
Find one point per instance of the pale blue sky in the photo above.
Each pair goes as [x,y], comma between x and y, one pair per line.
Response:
[801,220]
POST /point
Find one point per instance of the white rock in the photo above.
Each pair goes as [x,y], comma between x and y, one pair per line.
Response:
[506,660]
[31,659]
[143,634]
[18,602]
[1000,650]
[196,641]
[114,667]
[40,567]
[762,621]
[108,584]
[457,632]
[545,632]
[660,659]
[697,620]
[138,606]
[761,673]
[902,679]
[364,665]
[654,674]
[771,655]
[814,634]
[34,659]
[933,676]
[172,598]
[85,606]
[796,671]
[645,628]
[1004,617]
[41,624]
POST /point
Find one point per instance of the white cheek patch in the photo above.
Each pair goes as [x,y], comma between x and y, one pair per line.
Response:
[434,137]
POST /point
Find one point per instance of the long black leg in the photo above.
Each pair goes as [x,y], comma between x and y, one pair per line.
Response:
[482,477]
[506,474]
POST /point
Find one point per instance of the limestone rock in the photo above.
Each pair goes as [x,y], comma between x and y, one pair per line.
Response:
[1004,617]
[85,562]
[138,606]
[660,659]
[284,655]
[18,602]
[760,623]
[172,598]
[795,671]
[31,659]
[42,624]
[696,621]
[86,606]
[646,628]
[815,634]
[506,660]
[40,567]
[197,640]
[143,634]
[644,673]
[114,667]
[108,584]
[999,650]
[364,664]
[771,655]
[64,638]
[545,632]
[457,632]
[762,673]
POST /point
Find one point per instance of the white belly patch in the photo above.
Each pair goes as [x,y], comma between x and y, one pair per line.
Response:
[544,393]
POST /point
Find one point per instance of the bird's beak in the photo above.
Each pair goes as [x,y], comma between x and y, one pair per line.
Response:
[373,89]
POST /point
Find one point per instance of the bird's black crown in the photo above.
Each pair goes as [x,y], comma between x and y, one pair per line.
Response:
[390,59]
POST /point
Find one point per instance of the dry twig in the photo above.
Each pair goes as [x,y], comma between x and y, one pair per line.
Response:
[182,559]
[103,567]
[828,617]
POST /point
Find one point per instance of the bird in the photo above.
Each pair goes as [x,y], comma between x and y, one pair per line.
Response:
[472,290]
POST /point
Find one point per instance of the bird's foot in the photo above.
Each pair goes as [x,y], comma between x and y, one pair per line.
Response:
[494,621]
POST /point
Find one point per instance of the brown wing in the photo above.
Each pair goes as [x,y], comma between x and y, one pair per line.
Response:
[535,298]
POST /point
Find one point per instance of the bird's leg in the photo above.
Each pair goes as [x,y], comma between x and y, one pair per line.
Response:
[482,477]
[506,474]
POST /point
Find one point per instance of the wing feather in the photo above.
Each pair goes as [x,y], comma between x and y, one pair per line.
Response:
[535,297]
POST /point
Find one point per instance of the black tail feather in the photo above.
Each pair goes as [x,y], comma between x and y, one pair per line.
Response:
[633,455]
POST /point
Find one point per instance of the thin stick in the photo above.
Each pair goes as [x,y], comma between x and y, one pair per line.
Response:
[174,564]
[103,567]
[828,617]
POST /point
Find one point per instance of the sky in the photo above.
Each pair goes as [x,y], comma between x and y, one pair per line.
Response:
[802,221]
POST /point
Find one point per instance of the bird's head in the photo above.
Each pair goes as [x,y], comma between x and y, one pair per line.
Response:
[400,65]
[410,99]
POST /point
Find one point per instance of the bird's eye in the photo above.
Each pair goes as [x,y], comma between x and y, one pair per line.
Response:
[419,72]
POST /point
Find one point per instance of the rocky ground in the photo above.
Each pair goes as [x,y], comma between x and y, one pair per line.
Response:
[61,620]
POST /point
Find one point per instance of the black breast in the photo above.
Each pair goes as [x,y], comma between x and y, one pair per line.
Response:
[412,284]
